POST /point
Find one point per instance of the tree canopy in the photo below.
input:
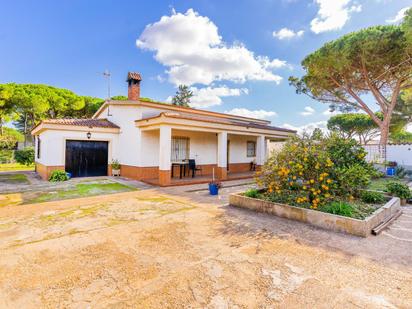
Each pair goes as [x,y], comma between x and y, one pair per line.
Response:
[9,138]
[27,104]
[182,96]
[401,137]
[375,61]
[354,125]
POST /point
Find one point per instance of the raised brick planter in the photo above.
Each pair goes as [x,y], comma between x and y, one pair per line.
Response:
[320,219]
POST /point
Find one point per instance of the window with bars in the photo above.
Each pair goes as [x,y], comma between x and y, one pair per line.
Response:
[251,149]
[180,148]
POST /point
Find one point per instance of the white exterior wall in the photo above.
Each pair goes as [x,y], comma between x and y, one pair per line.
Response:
[402,154]
[203,145]
[53,145]
[238,148]
[132,138]
[150,148]
[129,136]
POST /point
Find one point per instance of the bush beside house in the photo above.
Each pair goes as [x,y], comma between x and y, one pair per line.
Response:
[324,173]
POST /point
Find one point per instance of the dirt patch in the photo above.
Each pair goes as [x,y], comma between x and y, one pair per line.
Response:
[152,250]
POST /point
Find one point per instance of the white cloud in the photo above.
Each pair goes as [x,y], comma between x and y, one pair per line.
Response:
[194,52]
[207,97]
[160,78]
[333,14]
[399,16]
[286,33]
[307,127]
[307,111]
[260,114]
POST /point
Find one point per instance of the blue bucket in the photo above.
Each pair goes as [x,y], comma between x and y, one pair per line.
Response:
[390,171]
[69,175]
[213,189]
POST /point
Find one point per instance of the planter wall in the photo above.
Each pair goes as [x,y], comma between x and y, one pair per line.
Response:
[320,219]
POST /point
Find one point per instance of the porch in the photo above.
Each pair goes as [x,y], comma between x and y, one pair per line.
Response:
[188,180]
[228,151]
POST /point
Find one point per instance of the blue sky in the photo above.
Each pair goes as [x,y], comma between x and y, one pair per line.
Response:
[234,54]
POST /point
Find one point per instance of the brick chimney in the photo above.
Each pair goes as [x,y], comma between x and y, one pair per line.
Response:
[133,89]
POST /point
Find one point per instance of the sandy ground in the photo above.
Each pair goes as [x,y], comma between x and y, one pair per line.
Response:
[152,249]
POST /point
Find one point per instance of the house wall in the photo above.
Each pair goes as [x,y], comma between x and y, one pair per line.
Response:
[150,148]
[203,146]
[238,148]
[129,136]
[400,153]
[53,145]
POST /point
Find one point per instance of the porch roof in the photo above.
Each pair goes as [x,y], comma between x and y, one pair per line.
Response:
[190,121]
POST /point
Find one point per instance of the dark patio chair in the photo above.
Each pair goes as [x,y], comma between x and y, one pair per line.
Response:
[194,168]
[252,166]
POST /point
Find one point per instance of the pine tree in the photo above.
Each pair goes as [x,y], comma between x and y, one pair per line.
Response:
[182,97]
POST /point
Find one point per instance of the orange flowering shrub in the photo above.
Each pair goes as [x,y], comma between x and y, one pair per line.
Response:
[311,172]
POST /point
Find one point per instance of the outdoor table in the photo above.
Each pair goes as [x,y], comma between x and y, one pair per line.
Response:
[182,168]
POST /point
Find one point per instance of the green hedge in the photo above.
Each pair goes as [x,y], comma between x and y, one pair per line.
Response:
[6,156]
[25,156]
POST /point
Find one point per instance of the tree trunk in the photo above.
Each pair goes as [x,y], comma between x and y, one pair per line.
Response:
[384,135]
[25,129]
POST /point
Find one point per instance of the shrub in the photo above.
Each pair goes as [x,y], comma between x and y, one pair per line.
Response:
[398,189]
[291,197]
[371,197]
[253,193]
[353,178]
[345,152]
[376,174]
[10,138]
[302,165]
[400,172]
[25,156]
[340,208]
[115,164]
[58,175]
[6,156]
[316,169]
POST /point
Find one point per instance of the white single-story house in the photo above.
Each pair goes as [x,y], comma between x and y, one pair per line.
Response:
[151,140]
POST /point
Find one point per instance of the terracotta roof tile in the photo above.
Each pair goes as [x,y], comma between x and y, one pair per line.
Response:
[92,123]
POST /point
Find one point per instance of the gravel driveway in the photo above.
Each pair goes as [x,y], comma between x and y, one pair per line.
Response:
[163,248]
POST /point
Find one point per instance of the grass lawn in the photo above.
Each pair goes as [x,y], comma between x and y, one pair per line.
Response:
[380,183]
[10,167]
[77,191]
[13,179]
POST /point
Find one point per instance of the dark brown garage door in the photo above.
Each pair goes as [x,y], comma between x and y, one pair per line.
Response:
[86,158]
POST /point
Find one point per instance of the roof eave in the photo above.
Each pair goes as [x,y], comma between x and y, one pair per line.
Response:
[162,118]
[41,127]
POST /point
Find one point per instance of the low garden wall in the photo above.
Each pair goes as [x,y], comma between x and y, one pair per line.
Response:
[320,219]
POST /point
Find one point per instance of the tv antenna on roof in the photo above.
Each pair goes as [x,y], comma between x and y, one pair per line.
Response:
[107,75]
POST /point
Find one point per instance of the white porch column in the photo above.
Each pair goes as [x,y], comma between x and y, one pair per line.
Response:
[260,150]
[165,150]
[222,155]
